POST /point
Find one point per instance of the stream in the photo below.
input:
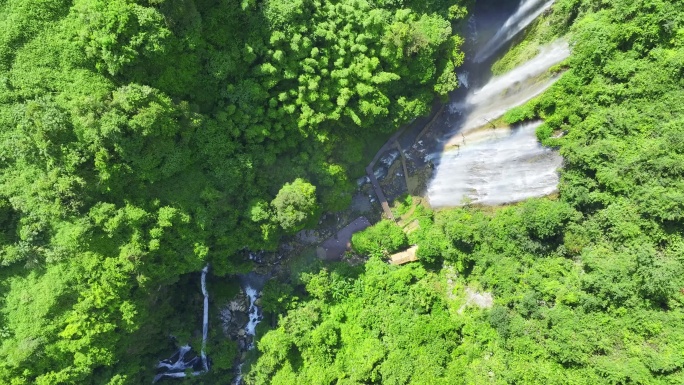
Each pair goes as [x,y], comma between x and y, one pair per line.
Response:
[252,284]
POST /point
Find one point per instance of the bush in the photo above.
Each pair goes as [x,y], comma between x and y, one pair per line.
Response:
[294,205]
[520,114]
[545,218]
[380,240]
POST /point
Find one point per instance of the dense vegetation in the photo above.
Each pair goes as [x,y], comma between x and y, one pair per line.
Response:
[142,139]
[587,286]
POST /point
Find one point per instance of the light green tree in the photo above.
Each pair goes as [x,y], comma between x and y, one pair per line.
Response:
[295,205]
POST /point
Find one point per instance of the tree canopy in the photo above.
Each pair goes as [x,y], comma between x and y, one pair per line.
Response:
[142,139]
[587,286]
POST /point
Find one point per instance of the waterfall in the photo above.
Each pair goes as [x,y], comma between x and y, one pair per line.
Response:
[511,89]
[177,365]
[252,284]
[527,12]
[486,165]
[495,167]
[205,318]
[255,316]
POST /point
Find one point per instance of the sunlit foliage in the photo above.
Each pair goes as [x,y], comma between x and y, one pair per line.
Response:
[588,286]
[141,139]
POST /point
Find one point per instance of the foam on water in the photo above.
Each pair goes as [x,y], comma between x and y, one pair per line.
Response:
[527,12]
[505,169]
[512,89]
[251,282]
[254,312]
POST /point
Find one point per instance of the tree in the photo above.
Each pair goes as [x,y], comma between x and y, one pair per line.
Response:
[295,205]
[380,240]
[142,139]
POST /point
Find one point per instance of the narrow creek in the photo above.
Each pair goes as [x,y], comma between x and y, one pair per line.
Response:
[252,284]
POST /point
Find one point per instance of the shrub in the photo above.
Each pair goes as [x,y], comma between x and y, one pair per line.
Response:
[380,240]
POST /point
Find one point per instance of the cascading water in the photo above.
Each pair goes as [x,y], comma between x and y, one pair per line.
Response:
[255,316]
[251,285]
[511,89]
[479,163]
[495,167]
[177,366]
[527,12]
[205,318]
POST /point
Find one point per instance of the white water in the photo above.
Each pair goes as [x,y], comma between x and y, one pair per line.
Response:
[511,89]
[179,364]
[255,318]
[508,166]
[205,318]
[254,313]
[491,166]
[178,368]
[463,78]
[527,12]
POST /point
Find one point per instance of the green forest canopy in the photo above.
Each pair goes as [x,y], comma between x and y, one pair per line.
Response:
[588,287]
[142,139]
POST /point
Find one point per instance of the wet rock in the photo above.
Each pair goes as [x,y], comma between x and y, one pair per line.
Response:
[308,237]
[226,315]
[240,318]
[234,315]
[241,303]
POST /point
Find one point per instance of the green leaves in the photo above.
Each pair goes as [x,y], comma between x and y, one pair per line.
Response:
[141,139]
[377,331]
[380,240]
[117,32]
[295,205]
[544,218]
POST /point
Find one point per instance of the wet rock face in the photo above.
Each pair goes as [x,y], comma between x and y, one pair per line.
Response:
[234,316]
[239,318]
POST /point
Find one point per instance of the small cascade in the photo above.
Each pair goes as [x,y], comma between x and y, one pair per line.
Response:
[495,167]
[463,78]
[255,315]
[252,284]
[178,365]
[382,168]
[527,12]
